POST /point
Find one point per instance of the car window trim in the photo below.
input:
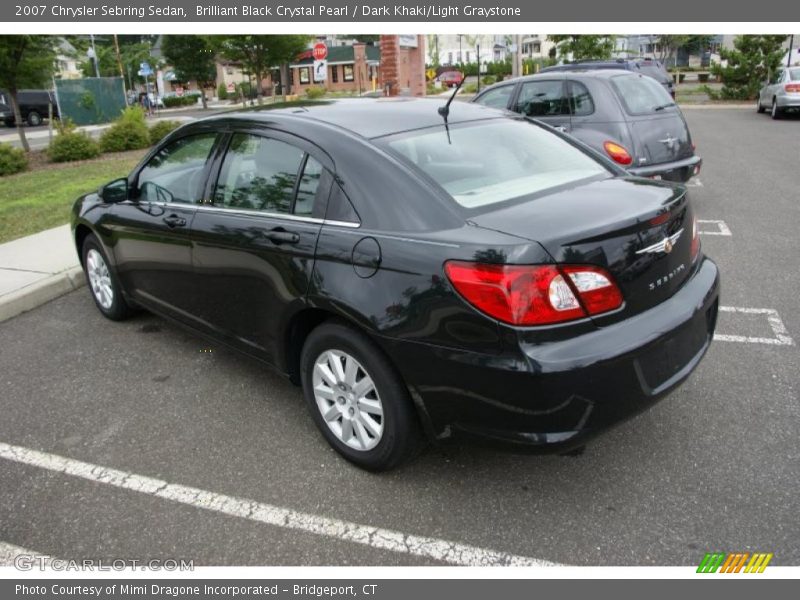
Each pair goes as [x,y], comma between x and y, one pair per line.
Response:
[570,83]
[212,208]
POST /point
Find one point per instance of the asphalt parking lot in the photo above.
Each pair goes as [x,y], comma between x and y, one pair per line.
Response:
[715,467]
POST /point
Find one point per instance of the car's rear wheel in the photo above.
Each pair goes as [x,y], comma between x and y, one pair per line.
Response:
[358,401]
[775,113]
[34,119]
[102,282]
[759,108]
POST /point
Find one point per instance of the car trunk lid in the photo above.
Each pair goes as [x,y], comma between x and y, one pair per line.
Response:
[619,224]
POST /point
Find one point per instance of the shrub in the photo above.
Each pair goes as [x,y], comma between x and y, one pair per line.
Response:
[159,130]
[316,92]
[187,100]
[72,145]
[222,91]
[12,160]
[488,80]
[128,132]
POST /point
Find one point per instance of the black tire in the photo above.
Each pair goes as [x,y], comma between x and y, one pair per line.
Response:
[118,309]
[401,438]
[760,109]
[776,112]
[34,119]
[12,122]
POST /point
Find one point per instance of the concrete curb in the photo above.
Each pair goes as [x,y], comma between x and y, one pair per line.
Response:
[41,292]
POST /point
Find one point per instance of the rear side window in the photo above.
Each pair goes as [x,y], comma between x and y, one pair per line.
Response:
[497,98]
[258,173]
[542,99]
[655,72]
[580,100]
[794,74]
[641,95]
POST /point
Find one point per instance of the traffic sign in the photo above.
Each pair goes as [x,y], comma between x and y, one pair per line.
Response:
[320,51]
[230,88]
[320,70]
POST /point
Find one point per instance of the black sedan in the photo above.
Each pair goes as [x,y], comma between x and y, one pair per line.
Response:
[421,273]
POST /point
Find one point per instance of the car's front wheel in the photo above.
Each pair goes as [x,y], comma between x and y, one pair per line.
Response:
[358,401]
[102,281]
[759,107]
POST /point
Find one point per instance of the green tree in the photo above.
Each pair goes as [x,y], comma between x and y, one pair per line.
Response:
[261,53]
[584,47]
[749,64]
[26,61]
[194,58]
[692,44]
[133,50]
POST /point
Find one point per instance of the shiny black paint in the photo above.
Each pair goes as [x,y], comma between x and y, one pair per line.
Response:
[221,275]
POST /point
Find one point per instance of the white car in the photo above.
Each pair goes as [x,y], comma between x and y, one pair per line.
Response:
[781,93]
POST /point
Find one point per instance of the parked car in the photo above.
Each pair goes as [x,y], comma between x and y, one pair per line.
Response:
[646,66]
[625,116]
[781,93]
[475,273]
[33,106]
[450,78]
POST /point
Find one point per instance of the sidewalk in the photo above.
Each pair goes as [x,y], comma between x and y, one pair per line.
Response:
[36,269]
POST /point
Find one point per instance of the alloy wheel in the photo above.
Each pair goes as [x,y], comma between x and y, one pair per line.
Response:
[348,400]
[99,279]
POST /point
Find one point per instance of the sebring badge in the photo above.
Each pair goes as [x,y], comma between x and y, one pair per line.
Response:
[664,245]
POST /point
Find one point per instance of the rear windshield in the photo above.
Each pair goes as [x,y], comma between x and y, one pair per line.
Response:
[641,95]
[494,161]
[794,74]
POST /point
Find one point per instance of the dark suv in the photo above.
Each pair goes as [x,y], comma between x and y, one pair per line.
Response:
[33,106]
[645,66]
[625,116]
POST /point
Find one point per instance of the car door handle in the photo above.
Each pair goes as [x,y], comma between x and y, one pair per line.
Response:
[280,236]
[175,221]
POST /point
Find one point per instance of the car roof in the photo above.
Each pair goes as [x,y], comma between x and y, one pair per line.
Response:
[575,72]
[372,117]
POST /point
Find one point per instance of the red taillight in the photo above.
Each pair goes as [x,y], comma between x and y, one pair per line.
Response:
[792,87]
[534,294]
[618,153]
[695,248]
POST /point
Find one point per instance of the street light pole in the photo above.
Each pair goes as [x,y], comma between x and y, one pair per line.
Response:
[789,58]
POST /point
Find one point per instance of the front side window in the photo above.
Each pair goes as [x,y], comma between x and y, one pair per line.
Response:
[497,98]
[542,99]
[493,161]
[177,172]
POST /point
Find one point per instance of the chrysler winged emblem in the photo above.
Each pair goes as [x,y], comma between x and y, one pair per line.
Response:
[669,141]
[664,245]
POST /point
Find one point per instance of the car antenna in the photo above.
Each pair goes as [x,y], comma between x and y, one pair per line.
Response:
[445,110]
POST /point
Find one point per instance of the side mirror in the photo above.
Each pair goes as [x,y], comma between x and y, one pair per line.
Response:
[114,191]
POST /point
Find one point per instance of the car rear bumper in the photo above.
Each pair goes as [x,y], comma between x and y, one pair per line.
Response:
[557,395]
[788,101]
[680,170]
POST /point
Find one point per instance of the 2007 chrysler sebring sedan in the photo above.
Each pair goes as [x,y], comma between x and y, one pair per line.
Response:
[419,273]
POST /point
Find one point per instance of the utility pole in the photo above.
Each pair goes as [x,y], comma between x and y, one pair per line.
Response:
[94,57]
[516,57]
[789,58]
[121,71]
[478,49]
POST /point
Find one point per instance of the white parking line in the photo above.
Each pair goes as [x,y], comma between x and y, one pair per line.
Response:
[721,227]
[8,552]
[782,337]
[375,537]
